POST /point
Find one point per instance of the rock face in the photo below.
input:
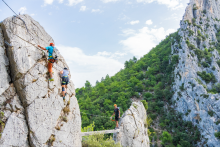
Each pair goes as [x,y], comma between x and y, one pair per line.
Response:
[34,111]
[199,27]
[133,130]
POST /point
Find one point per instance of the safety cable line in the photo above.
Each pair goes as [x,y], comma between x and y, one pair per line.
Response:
[9,7]
[95,115]
[20,19]
[23,22]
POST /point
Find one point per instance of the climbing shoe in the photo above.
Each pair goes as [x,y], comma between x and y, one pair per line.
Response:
[51,79]
[64,98]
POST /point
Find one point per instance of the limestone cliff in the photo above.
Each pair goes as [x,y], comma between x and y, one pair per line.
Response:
[33,112]
[133,129]
[197,72]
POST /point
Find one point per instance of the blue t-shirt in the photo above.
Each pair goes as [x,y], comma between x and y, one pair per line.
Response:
[50,50]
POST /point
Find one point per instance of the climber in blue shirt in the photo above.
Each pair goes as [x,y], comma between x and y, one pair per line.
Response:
[51,60]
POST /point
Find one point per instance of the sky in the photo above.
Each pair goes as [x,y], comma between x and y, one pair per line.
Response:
[96,37]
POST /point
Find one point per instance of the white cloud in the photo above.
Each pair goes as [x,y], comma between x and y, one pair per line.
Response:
[173,4]
[149,22]
[141,42]
[175,17]
[96,10]
[60,1]
[50,13]
[74,2]
[134,22]
[104,53]
[32,14]
[111,55]
[123,17]
[22,10]
[49,2]
[89,67]
[107,1]
[128,32]
[83,8]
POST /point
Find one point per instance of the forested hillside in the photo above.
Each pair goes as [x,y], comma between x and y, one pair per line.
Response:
[149,78]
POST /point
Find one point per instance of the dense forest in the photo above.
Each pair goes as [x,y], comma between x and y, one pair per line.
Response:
[149,78]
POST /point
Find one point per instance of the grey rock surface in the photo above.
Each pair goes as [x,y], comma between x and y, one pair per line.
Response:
[4,66]
[133,129]
[37,106]
[195,100]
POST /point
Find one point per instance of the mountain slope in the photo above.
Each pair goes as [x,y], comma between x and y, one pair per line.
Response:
[150,78]
[197,74]
[180,79]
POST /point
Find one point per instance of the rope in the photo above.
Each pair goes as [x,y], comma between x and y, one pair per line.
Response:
[94,115]
[16,15]
[10,7]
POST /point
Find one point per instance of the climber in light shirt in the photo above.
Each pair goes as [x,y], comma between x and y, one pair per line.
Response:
[65,81]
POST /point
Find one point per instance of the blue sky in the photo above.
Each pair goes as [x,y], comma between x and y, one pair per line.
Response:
[96,37]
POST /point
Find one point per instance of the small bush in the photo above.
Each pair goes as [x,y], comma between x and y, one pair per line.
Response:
[218,62]
[182,87]
[65,119]
[190,46]
[58,128]
[207,77]
[97,140]
[51,140]
[217,135]
[211,113]
[204,64]
[193,20]
[191,32]
[66,109]
[145,104]
[217,87]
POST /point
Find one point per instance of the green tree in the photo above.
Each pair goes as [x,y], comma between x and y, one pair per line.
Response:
[166,138]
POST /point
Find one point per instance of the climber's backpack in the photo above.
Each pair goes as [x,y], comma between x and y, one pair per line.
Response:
[55,56]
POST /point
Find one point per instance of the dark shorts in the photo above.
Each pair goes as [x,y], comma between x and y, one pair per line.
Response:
[116,118]
[65,80]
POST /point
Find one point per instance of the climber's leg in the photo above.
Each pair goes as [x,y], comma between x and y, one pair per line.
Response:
[116,121]
[63,91]
[64,85]
[67,82]
[50,65]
